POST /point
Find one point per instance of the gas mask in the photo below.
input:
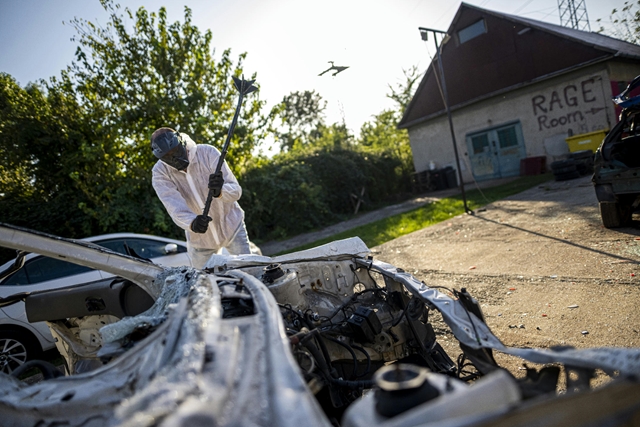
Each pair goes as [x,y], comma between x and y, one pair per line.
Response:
[171,149]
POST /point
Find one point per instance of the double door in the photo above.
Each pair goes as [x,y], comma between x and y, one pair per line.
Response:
[496,152]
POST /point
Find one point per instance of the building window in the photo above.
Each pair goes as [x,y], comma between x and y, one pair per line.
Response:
[480,143]
[472,31]
[507,137]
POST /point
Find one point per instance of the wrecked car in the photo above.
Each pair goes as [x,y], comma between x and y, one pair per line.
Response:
[617,163]
[21,340]
[323,337]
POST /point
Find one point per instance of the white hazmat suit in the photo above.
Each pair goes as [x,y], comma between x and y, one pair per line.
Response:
[183,194]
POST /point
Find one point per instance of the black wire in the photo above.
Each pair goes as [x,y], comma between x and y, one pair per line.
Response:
[406,307]
[291,309]
[427,357]
[354,269]
[369,273]
[461,365]
[473,325]
[350,350]
[363,351]
[352,300]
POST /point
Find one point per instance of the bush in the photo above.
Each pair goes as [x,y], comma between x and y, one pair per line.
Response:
[297,193]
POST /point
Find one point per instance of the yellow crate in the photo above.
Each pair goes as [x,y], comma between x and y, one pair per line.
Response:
[586,141]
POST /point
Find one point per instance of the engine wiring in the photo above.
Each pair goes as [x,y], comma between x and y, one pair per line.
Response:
[462,364]
[310,331]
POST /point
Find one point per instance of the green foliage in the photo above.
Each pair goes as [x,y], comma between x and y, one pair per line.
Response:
[382,135]
[160,74]
[402,93]
[301,191]
[301,114]
[135,75]
[75,157]
[41,135]
[381,231]
[625,22]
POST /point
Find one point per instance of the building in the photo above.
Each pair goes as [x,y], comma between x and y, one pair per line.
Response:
[517,88]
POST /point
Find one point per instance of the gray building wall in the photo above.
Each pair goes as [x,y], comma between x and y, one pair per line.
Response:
[548,111]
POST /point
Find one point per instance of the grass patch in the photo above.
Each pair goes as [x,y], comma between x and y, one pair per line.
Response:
[390,228]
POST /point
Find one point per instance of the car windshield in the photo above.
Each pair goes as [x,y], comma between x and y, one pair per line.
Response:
[145,248]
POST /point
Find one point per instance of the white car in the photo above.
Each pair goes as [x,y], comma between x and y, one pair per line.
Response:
[20,340]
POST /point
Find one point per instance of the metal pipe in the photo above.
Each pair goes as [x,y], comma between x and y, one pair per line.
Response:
[445,99]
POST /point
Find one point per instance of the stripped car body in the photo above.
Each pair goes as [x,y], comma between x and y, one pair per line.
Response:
[293,340]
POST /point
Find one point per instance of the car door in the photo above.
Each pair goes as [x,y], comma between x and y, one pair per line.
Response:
[41,273]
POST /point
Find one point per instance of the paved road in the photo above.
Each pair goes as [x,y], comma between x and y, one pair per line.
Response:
[277,246]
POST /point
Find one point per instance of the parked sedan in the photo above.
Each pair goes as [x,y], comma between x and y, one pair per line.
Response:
[20,340]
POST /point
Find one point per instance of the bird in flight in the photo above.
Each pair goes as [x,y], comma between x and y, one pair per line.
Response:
[337,68]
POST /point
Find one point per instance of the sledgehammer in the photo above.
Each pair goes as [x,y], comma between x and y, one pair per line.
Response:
[244,87]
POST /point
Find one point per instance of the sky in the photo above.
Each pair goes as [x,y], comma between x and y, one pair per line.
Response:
[288,42]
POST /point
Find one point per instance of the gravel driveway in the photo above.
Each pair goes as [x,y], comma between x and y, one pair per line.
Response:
[542,265]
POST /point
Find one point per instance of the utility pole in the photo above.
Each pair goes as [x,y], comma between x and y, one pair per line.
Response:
[573,14]
[424,33]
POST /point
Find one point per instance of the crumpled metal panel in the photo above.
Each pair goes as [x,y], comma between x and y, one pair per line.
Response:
[195,367]
[256,381]
[111,395]
[340,249]
[176,286]
[470,330]
[141,272]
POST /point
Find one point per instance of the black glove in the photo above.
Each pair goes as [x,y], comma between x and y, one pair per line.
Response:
[215,183]
[200,224]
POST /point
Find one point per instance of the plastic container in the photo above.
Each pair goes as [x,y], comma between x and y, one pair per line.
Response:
[492,394]
[450,177]
[586,141]
[533,165]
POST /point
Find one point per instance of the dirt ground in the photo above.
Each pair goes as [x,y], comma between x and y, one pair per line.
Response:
[543,267]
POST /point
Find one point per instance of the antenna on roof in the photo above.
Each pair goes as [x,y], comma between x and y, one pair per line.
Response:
[573,14]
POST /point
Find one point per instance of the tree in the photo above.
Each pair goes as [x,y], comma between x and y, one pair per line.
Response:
[625,22]
[402,92]
[41,138]
[137,74]
[300,113]
[383,135]
[333,136]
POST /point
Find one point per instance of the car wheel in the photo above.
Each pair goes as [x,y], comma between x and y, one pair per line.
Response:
[611,214]
[15,349]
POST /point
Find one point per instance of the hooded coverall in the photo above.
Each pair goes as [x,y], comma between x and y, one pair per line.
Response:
[183,194]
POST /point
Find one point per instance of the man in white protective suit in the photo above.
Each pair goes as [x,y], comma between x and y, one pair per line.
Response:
[182,178]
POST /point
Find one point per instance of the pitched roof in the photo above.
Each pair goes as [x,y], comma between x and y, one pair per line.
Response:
[512,53]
